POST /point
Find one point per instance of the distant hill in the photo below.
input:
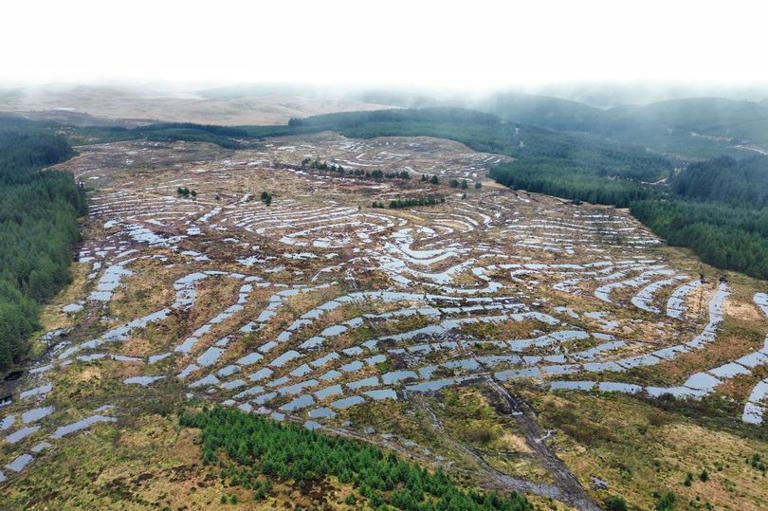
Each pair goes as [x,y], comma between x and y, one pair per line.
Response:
[703,127]
[141,105]
[544,111]
[709,115]
[609,95]
[693,127]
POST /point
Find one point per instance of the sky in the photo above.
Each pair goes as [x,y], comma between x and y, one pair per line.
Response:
[476,43]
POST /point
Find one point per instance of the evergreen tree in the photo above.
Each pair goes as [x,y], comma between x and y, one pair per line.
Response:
[38,229]
[260,449]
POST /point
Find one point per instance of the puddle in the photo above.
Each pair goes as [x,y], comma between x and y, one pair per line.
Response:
[21,434]
[36,414]
[299,403]
[380,394]
[142,380]
[322,413]
[347,402]
[19,463]
[80,425]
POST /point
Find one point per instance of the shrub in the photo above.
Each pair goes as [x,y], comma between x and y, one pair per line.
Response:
[615,503]
[667,502]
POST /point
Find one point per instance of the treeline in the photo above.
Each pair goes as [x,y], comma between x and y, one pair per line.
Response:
[409,203]
[38,229]
[251,450]
[569,179]
[224,131]
[223,136]
[345,120]
[190,135]
[335,167]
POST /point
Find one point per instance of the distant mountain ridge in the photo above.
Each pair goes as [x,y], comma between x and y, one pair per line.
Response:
[697,127]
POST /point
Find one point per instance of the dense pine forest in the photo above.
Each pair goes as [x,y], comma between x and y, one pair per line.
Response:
[736,182]
[569,179]
[718,209]
[724,236]
[222,136]
[251,451]
[38,228]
